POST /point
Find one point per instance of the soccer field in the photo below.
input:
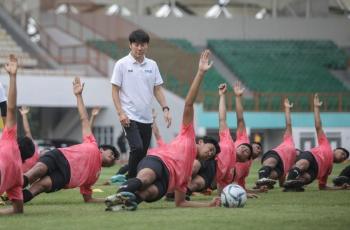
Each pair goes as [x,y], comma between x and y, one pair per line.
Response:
[311,209]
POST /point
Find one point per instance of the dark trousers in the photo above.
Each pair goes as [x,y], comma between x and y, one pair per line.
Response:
[139,137]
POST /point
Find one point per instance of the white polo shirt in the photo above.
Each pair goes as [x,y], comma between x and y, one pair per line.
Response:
[136,81]
[2,94]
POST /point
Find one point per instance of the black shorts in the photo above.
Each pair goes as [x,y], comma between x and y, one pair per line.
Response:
[162,180]
[58,169]
[208,172]
[3,108]
[345,172]
[313,167]
[273,154]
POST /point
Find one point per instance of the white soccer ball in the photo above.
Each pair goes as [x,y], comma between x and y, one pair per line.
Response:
[233,196]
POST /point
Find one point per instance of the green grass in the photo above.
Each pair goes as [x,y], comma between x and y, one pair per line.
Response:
[311,209]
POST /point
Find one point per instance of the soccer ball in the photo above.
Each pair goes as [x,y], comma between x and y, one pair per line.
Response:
[233,196]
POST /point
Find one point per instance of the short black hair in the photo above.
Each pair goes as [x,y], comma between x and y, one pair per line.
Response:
[250,148]
[257,143]
[26,147]
[112,148]
[345,151]
[139,36]
[207,139]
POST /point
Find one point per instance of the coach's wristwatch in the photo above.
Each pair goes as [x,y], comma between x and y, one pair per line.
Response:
[166,108]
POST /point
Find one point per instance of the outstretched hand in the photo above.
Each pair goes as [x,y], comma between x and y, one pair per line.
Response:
[216,202]
[95,111]
[12,65]
[24,110]
[252,195]
[287,104]
[77,86]
[222,89]
[238,89]
[204,63]
[317,102]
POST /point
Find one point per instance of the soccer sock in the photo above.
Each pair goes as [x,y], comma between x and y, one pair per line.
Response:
[27,195]
[265,172]
[132,185]
[293,173]
[25,181]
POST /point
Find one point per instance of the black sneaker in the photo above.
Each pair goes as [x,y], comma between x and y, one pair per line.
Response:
[301,189]
[290,184]
[4,197]
[126,200]
[265,182]
[341,180]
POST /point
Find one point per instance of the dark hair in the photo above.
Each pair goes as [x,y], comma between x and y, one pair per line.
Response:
[112,148]
[211,140]
[250,148]
[257,143]
[139,36]
[26,147]
[345,151]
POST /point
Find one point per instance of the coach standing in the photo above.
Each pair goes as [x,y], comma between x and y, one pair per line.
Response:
[135,80]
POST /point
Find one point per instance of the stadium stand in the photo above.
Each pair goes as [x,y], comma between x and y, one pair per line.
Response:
[174,81]
[265,66]
[8,45]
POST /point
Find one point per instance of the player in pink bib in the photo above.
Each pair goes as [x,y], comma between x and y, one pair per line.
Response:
[13,151]
[226,160]
[29,163]
[74,166]
[242,144]
[277,162]
[168,168]
[316,163]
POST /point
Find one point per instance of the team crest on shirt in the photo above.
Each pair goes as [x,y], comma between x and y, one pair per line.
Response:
[148,70]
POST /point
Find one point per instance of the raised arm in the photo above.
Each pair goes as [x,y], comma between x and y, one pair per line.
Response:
[11,68]
[287,107]
[238,90]
[203,67]
[222,107]
[84,118]
[318,123]
[24,110]
[95,111]
[159,95]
